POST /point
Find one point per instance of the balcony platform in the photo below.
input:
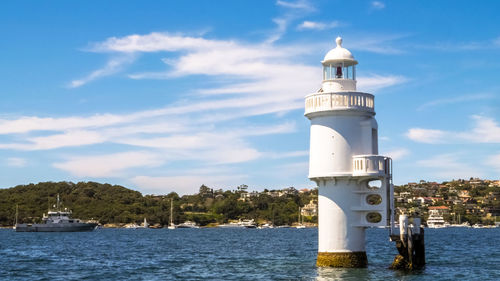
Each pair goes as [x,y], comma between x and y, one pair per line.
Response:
[339,101]
[371,166]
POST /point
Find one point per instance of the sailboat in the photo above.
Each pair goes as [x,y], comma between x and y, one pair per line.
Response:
[171,225]
[145,225]
[15,225]
[301,222]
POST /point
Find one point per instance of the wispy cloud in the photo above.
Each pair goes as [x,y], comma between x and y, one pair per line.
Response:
[379,44]
[113,66]
[376,82]
[494,161]
[264,79]
[299,5]
[397,153]
[485,130]
[378,5]
[427,135]
[186,183]
[450,166]
[16,162]
[289,154]
[293,11]
[459,46]
[313,25]
[453,100]
[109,165]
[497,42]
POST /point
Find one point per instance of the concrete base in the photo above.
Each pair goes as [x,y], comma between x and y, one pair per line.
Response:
[348,259]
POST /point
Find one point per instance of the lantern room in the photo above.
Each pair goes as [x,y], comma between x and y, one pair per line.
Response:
[339,69]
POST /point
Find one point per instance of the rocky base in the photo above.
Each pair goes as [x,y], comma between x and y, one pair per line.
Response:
[350,259]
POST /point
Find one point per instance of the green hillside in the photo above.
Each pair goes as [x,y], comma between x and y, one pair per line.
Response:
[117,204]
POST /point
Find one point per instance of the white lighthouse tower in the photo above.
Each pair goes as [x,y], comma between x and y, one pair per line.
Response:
[354,182]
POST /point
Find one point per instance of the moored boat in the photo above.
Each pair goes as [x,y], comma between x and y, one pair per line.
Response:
[57,221]
[436,220]
[188,224]
[240,224]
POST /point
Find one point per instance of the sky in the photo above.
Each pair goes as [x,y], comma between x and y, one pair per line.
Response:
[163,96]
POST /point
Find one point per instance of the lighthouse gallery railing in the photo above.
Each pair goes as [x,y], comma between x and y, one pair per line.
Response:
[339,101]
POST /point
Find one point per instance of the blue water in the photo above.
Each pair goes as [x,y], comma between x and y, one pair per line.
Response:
[233,254]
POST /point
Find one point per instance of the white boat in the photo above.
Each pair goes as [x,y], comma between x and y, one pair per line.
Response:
[231,225]
[266,225]
[188,224]
[465,224]
[240,224]
[145,224]
[131,225]
[436,220]
[171,225]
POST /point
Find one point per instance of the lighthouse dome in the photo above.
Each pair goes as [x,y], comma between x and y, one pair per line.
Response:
[339,55]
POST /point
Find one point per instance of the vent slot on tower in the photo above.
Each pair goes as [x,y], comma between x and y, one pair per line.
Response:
[374,141]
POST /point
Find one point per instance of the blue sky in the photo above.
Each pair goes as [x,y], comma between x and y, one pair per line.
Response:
[164,96]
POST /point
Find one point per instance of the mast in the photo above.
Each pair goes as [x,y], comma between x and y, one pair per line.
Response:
[299,217]
[17,212]
[171,211]
[272,211]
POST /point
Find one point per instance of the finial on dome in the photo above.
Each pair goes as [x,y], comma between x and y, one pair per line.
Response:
[339,41]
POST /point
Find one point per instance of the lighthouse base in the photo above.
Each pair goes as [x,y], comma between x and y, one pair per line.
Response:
[345,259]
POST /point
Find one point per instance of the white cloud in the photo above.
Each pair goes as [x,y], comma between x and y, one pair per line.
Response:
[377,82]
[27,124]
[312,25]
[113,66]
[458,99]
[497,42]
[185,184]
[294,11]
[448,46]
[265,79]
[494,161]
[16,162]
[378,5]
[397,154]
[300,5]
[379,44]
[289,154]
[450,166]
[486,130]
[427,135]
[109,165]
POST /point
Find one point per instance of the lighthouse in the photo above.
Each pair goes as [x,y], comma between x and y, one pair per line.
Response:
[354,182]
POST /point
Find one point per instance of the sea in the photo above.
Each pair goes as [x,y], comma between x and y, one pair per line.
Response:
[234,254]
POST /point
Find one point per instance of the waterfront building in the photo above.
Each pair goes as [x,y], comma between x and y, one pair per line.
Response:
[354,182]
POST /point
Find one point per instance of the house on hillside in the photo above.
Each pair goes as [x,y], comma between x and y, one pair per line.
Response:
[442,210]
[310,209]
[422,201]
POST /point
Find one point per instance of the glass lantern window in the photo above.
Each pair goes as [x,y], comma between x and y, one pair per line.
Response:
[339,71]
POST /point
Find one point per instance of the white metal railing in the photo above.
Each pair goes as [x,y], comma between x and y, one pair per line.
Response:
[339,101]
[371,165]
